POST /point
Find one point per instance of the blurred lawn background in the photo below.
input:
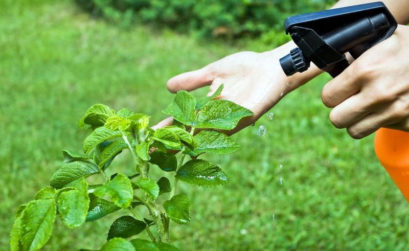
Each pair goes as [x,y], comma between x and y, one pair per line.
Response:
[330,193]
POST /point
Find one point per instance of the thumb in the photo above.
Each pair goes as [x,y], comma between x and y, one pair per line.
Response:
[190,80]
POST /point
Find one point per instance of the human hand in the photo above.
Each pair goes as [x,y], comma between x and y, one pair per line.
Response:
[373,91]
[253,80]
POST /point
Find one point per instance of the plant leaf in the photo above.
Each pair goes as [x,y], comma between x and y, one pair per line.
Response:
[71,172]
[124,113]
[116,122]
[110,152]
[166,161]
[201,172]
[183,135]
[212,141]
[96,115]
[126,226]
[98,208]
[118,244]
[37,223]
[145,245]
[177,208]
[149,186]
[201,102]
[70,156]
[142,150]
[98,136]
[166,247]
[15,243]
[45,193]
[20,209]
[167,137]
[140,121]
[164,185]
[118,190]
[73,204]
[182,108]
[221,114]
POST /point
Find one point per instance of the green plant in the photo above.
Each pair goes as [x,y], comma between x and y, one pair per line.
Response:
[210,18]
[80,190]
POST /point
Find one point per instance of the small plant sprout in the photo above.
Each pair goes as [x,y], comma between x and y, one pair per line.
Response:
[86,187]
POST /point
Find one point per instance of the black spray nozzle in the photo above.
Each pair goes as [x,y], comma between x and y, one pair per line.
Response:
[294,62]
[324,37]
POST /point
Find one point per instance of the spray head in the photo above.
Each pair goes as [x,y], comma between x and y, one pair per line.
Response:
[294,62]
[324,37]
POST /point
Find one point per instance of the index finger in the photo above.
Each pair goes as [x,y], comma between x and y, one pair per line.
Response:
[190,80]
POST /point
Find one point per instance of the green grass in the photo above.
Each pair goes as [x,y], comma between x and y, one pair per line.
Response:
[55,62]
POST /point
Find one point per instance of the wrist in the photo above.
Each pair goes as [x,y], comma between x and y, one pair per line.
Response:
[298,79]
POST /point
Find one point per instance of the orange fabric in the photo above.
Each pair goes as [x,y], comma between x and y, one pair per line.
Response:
[392,149]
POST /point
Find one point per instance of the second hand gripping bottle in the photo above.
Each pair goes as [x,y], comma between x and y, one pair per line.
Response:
[323,38]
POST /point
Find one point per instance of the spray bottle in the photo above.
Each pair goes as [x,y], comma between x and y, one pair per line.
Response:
[323,38]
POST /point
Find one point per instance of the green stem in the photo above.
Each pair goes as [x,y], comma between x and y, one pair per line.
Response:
[148,230]
[166,223]
[182,159]
[155,213]
[165,220]
[134,156]
[151,236]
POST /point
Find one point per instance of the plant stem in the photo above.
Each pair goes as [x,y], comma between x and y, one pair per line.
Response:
[150,233]
[166,223]
[134,156]
[165,220]
[155,213]
[151,236]
[182,159]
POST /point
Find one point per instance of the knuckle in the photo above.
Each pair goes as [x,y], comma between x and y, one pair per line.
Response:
[367,72]
[363,70]
[381,93]
[391,45]
[355,69]
[400,109]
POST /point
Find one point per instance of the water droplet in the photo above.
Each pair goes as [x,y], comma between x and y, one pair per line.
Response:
[270,116]
[261,131]
[281,180]
[280,166]
[243,231]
